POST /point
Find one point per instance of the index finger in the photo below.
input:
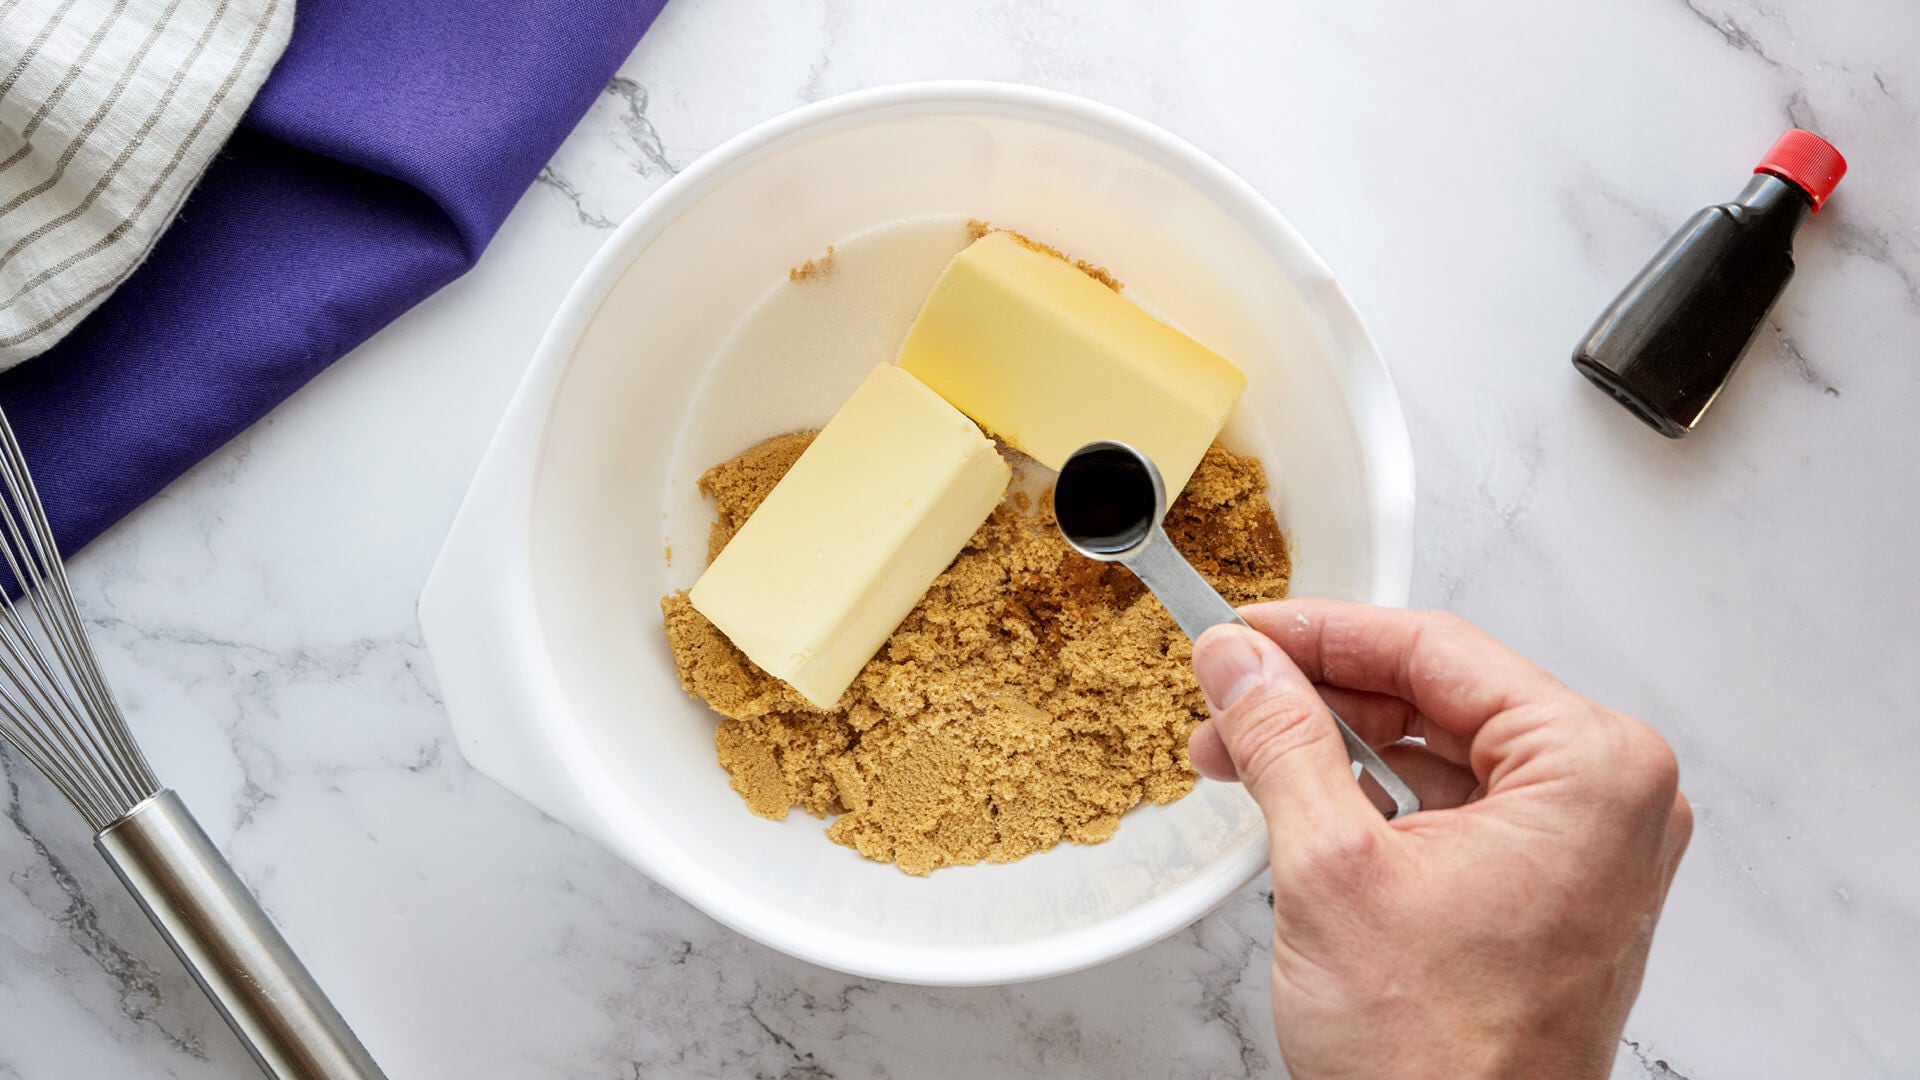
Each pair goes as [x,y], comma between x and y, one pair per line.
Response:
[1452,672]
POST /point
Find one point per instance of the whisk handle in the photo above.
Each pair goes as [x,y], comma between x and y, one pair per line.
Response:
[219,931]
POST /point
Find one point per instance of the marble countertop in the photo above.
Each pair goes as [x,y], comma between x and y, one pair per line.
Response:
[1482,177]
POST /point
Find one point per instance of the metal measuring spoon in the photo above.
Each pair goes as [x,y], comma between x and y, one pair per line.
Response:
[1109,502]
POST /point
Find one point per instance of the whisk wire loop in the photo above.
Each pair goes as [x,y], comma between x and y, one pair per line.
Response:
[55,706]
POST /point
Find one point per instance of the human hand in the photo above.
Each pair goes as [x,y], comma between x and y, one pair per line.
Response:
[1502,931]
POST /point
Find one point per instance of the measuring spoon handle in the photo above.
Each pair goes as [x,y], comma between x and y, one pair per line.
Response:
[1195,606]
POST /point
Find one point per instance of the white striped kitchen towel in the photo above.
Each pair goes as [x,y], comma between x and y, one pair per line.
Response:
[109,112]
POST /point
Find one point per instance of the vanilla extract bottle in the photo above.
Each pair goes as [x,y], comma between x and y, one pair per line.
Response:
[1670,341]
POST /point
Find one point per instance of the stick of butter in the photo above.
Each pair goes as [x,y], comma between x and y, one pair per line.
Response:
[849,539]
[1049,360]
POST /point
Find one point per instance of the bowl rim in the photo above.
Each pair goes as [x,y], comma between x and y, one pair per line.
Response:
[1364,380]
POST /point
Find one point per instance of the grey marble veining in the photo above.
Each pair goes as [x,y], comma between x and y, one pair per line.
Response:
[1482,179]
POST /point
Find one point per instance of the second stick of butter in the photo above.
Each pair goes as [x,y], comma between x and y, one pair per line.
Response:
[848,541]
[1049,359]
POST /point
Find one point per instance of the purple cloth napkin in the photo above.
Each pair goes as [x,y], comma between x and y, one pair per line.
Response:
[372,169]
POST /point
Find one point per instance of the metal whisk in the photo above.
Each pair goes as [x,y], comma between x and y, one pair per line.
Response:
[58,712]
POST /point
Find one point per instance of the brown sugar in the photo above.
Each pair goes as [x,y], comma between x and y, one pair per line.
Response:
[1033,696]
[737,487]
[820,266]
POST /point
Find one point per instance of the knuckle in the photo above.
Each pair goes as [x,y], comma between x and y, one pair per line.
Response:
[1339,854]
[1447,623]
[1643,762]
[1438,632]
[1271,729]
[1682,821]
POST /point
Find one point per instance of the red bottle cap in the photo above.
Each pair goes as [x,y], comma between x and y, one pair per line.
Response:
[1807,161]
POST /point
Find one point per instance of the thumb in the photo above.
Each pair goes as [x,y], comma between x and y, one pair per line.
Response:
[1278,733]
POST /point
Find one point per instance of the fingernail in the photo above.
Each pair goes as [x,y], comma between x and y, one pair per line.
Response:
[1227,666]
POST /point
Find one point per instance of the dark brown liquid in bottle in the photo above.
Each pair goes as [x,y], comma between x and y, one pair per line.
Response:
[1669,341]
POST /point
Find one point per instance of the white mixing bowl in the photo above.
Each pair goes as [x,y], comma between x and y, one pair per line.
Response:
[541,614]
